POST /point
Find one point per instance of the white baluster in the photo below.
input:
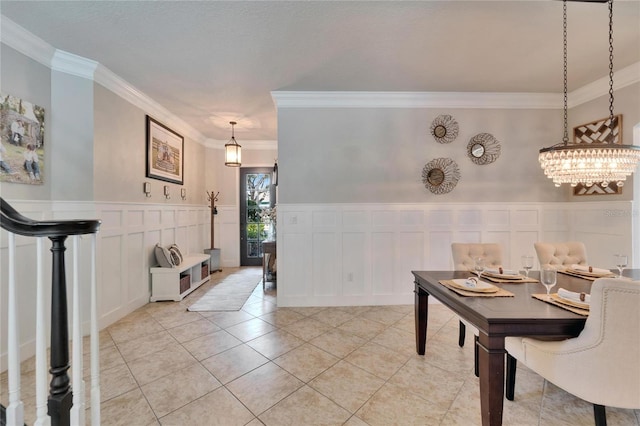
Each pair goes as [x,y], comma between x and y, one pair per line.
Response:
[77,411]
[95,340]
[42,376]
[15,410]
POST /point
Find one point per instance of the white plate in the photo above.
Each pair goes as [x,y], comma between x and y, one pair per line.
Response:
[481,286]
[590,274]
[504,276]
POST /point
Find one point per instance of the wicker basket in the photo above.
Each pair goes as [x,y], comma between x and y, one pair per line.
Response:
[205,270]
[185,282]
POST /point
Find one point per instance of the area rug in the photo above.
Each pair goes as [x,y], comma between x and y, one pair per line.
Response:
[231,293]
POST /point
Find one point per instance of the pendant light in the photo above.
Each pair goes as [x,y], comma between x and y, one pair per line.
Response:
[589,163]
[232,151]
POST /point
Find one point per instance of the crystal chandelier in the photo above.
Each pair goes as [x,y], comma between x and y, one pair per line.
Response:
[232,151]
[589,163]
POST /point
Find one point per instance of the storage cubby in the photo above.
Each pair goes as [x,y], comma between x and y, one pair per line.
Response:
[177,282]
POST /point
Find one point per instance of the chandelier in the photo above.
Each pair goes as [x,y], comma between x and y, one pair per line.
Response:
[232,151]
[589,163]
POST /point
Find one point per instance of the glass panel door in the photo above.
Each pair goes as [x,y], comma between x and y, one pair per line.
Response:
[256,195]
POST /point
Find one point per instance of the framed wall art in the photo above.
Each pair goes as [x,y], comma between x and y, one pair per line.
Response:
[444,128]
[21,141]
[165,153]
[597,189]
[483,149]
[440,175]
[599,131]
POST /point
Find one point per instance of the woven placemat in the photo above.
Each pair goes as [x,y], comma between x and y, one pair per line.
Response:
[500,293]
[585,277]
[543,297]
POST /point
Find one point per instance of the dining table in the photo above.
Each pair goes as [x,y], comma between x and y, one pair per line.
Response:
[519,314]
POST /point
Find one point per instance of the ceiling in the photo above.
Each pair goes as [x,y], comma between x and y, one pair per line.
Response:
[209,62]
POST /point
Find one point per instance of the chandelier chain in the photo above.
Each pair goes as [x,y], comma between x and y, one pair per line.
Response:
[611,62]
[565,138]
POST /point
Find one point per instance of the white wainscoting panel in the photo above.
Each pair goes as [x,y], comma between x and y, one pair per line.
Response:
[360,254]
[294,277]
[227,235]
[409,256]
[111,271]
[355,260]
[138,288]
[331,255]
[324,275]
[125,251]
[439,249]
[383,254]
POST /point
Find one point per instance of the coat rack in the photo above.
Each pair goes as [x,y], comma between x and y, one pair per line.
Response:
[213,252]
[214,211]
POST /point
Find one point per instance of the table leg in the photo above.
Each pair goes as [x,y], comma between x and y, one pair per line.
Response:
[264,269]
[491,365]
[422,309]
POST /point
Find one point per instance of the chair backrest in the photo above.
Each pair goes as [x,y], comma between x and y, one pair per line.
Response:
[561,254]
[465,253]
[601,364]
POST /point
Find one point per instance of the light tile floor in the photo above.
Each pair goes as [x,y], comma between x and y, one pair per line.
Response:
[302,366]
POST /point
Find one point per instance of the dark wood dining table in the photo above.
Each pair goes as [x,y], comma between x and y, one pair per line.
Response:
[499,317]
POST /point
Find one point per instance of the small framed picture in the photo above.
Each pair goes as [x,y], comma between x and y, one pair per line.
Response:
[165,153]
[22,149]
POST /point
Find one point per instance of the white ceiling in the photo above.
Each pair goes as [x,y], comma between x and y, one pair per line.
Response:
[209,62]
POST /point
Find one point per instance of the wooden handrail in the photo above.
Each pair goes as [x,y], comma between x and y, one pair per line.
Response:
[60,393]
[14,222]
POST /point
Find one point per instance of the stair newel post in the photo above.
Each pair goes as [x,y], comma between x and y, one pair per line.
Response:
[60,394]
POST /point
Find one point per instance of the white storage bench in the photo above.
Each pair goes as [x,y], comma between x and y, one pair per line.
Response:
[177,282]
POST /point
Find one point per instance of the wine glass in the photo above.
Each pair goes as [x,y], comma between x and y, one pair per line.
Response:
[548,277]
[478,266]
[621,262]
[527,263]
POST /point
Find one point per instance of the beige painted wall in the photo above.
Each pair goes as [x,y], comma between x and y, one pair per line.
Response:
[376,155]
[120,156]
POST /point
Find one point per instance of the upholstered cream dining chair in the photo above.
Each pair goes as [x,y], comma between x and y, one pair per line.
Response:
[562,254]
[601,364]
[464,255]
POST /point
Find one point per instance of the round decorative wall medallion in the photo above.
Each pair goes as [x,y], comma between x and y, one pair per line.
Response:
[444,129]
[483,149]
[440,175]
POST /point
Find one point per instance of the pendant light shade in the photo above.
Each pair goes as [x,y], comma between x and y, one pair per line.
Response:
[232,151]
[590,163]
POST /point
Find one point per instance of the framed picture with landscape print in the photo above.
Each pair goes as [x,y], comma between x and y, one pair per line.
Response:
[21,141]
[165,153]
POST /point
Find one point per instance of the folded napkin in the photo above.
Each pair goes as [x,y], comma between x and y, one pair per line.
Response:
[502,271]
[471,282]
[591,269]
[572,295]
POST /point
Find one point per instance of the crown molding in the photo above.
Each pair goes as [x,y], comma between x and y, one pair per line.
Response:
[287,99]
[622,78]
[71,64]
[114,83]
[16,37]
